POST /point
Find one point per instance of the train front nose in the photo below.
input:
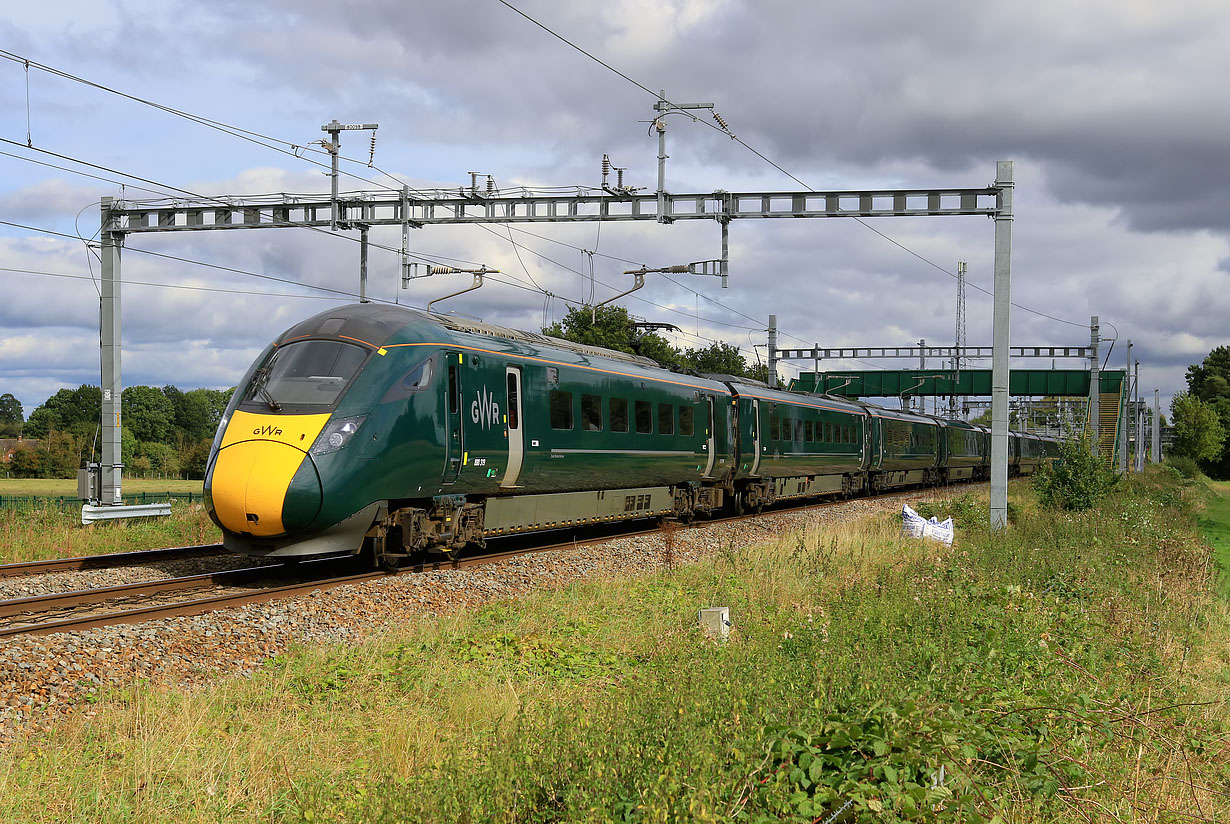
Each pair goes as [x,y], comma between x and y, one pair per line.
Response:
[261,481]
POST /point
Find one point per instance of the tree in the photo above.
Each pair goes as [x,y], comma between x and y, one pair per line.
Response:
[11,416]
[26,462]
[10,409]
[611,328]
[195,460]
[1198,432]
[76,410]
[160,457]
[211,404]
[1211,379]
[1075,482]
[717,358]
[149,413]
[1210,382]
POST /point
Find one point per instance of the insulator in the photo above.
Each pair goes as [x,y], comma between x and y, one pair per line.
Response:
[678,270]
[490,185]
[440,270]
[720,121]
[606,166]
[619,178]
[371,157]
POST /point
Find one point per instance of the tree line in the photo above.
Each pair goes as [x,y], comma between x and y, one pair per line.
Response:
[166,432]
[612,328]
[1201,415]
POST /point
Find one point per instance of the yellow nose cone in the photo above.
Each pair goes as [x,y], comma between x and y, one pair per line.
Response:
[254,468]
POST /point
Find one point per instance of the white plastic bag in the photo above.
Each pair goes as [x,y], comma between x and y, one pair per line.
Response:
[914,525]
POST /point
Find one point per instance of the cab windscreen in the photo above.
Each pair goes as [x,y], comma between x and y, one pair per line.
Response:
[304,376]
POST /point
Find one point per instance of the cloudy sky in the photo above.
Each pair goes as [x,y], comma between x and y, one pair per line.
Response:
[1114,114]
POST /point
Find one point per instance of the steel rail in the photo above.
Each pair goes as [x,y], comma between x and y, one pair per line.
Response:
[215,602]
[103,561]
[227,577]
[187,608]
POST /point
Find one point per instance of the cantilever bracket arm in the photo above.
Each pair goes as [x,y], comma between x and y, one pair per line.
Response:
[640,281]
[478,281]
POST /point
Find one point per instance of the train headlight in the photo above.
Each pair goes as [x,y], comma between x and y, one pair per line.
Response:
[336,434]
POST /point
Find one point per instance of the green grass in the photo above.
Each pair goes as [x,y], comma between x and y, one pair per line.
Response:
[55,487]
[1215,525]
[45,532]
[1074,667]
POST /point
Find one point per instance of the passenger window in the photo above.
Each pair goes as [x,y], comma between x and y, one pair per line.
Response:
[644,417]
[787,429]
[828,433]
[619,414]
[808,432]
[591,413]
[561,409]
[454,396]
[798,429]
[418,377]
[686,424]
[775,428]
[666,419]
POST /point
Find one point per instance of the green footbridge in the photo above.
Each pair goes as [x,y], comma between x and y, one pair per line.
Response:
[902,383]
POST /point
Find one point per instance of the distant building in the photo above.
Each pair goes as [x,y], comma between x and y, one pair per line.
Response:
[9,445]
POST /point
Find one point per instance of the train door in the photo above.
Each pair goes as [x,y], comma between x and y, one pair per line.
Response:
[870,443]
[710,438]
[516,440]
[454,438]
[755,470]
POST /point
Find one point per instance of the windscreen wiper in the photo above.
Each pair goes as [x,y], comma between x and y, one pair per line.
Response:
[258,383]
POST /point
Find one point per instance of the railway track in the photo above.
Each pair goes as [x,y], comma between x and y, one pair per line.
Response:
[115,559]
[163,598]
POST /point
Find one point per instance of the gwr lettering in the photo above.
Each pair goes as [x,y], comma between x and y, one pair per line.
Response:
[267,429]
[484,410]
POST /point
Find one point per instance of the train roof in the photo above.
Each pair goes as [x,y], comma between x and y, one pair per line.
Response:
[376,324]
[478,327]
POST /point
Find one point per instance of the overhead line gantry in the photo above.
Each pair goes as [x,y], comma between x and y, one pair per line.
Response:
[408,209]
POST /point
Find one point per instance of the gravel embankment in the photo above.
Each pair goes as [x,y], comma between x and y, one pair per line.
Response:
[78,579]
[43,677]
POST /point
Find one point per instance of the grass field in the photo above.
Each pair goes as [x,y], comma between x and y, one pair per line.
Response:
[1215,524]
[1072,668]
[56,487]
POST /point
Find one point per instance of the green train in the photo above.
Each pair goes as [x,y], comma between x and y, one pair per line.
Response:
[385,427]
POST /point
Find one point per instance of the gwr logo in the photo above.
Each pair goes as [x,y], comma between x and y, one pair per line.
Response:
[484,410]
[267,429]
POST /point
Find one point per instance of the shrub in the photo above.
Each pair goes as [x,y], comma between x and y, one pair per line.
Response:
[1075,481]
[1184,465]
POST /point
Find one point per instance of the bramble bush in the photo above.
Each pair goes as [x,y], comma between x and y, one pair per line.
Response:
[1075,482]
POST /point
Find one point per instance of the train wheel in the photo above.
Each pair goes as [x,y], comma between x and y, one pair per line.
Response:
[739,507]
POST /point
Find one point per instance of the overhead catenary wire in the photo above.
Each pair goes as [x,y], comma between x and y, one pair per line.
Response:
[657,96]
[266,141]
[251,137]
